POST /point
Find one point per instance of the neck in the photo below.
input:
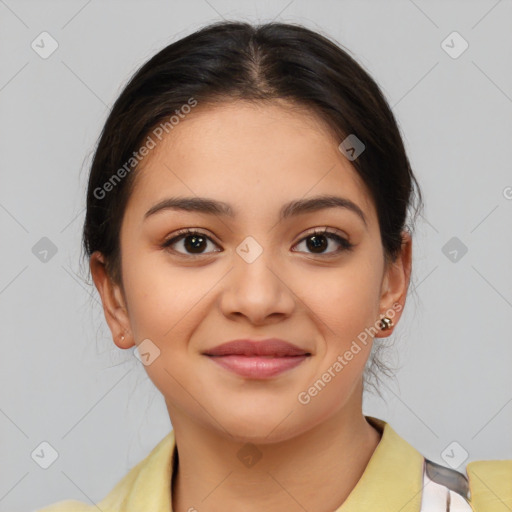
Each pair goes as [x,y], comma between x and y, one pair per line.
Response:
[314,470]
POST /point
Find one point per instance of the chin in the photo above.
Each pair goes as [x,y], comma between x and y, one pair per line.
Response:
[260,436]
[263,426]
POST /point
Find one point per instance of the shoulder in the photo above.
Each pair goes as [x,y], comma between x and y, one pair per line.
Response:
[500,469]
[490,484]
[146,483]
[67,506]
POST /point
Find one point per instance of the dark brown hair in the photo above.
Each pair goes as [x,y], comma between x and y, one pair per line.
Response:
[232,60]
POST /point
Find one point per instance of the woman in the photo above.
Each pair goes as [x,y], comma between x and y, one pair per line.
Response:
[247,232]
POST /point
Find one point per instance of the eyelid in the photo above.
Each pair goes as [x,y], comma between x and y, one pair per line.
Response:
[185,231]
[321,231]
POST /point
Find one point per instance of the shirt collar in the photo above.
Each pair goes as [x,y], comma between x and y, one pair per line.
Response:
[391,481]
[393,478]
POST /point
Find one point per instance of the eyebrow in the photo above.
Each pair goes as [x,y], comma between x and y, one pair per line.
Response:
[291,209]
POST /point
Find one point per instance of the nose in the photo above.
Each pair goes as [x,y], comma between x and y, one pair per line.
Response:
[259,291]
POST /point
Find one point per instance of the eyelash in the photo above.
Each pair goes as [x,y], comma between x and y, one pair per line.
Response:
[344,243]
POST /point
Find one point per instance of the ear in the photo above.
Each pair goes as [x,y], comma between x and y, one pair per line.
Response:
[395,283]
[114,307]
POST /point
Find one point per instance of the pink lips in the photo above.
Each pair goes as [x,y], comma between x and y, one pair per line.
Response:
[257,359]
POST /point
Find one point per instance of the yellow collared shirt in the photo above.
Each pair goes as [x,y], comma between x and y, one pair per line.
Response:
[392,481]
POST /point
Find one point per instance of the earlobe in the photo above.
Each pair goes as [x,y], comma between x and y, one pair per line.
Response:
[112,300]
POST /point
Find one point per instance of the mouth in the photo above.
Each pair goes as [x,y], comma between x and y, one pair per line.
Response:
[258,359]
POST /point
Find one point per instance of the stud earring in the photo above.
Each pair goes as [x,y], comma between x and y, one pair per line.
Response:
[385,323]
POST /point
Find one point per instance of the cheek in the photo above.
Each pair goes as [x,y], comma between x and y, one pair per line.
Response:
[166,305]
[346,299]
[345,305]
[162,298]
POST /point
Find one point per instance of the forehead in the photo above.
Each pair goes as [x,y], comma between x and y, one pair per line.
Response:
[252,155]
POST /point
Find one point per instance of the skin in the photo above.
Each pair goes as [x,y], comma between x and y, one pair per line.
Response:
[256,157]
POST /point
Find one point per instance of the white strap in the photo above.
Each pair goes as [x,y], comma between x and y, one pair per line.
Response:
[438,498]
[458,503]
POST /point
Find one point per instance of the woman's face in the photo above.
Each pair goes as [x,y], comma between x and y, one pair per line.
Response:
[254,274]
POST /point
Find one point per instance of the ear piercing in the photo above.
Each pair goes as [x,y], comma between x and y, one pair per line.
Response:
[385,323]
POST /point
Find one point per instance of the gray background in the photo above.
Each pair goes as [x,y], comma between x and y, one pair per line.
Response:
[63,379]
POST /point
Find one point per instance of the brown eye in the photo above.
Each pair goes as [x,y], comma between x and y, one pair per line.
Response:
[194,243]
[318,241]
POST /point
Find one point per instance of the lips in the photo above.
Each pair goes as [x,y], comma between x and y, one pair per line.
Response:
[257,359]
[272,347]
